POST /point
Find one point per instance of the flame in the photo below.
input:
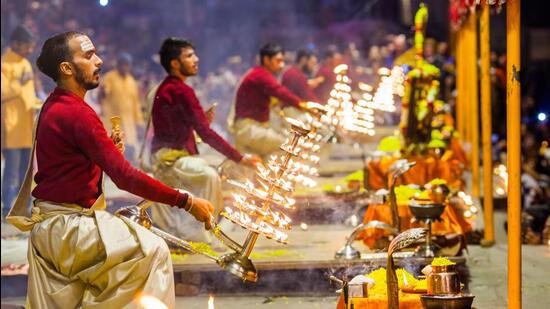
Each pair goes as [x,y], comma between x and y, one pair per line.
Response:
[340,68]
[384,71]
[150,302]
[210,302]
[344,113]
[502,172]
[255,213]
[238,198]
[249,185]
[391,84]
[280,236]
[314,159]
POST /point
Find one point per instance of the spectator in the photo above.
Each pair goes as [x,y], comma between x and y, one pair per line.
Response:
[18,102]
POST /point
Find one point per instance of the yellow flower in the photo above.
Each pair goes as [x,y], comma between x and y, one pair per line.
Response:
[441,261]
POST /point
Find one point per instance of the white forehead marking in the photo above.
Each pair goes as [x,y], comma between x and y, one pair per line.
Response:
[85,44]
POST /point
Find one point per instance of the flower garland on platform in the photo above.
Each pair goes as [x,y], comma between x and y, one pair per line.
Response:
[425,121]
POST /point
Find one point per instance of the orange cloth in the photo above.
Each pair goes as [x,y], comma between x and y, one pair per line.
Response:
[406,301]
[450,222]
[377,170]
[448,167]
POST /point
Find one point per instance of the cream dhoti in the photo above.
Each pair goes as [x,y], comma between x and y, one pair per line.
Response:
[177,169]
[90,258]
[257,137]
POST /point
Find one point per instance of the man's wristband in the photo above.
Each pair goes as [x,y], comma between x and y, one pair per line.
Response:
[189,203]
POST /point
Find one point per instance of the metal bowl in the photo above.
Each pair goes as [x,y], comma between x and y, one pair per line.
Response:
[447,301]
[429,210]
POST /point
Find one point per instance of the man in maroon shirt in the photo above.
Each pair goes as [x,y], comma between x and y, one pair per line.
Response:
[177,115]
[296,78]
[332,58]
[79,254]
[250,121]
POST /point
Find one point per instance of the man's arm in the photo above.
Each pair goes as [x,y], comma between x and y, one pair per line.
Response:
[307,90]
[315,82]
[202,126]
[274,89]
[93,140]
[296,81]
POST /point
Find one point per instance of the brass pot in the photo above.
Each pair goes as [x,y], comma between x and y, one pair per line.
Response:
[443,280]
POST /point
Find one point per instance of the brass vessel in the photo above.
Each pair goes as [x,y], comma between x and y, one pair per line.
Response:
[443,280]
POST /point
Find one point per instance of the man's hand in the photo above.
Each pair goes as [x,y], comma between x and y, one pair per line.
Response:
[211,112]
[202,211]
[118,139]
[250,160]
[315,82]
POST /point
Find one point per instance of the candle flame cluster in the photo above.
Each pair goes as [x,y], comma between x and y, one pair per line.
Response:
[342,112]
[469,209]
[501,181]
[391,84]
[259,205]
[303,169]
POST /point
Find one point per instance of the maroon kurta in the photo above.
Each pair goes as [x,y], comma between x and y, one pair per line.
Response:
[323,90]
[177,113]
[72,150]
[296,81]
[255,90]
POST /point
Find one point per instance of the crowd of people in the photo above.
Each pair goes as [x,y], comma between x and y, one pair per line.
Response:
[133,77]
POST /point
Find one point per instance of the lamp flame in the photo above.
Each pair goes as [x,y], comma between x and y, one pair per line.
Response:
[210,302]
[150,302]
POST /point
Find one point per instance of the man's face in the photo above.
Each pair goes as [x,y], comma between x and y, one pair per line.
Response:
[274,64]
[311,64]
[85,64]
[428,50]
[188,62]
[23,49]
[400,43]
[442,48]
